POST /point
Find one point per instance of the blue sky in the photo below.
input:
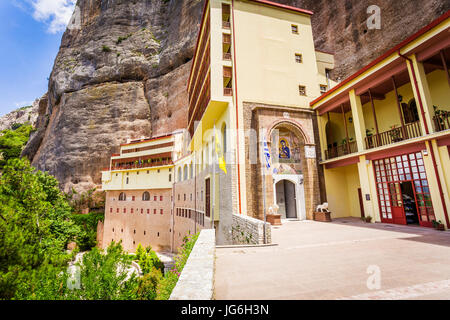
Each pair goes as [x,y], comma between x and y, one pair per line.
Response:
[30,35]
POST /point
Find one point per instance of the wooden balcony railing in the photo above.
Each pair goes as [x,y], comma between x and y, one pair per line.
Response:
[441,121]
[227,56]
[227,91]
[342,150]
[412,130]
[140,166]
[226,24]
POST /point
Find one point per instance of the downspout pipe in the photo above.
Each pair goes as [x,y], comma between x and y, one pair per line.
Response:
[237,108]
[433,156]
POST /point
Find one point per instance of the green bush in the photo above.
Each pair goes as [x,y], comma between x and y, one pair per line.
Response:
[87,238]
[148,259]
[35,227]
[170,279]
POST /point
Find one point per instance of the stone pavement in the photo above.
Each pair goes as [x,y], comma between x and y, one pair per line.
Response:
[316,260]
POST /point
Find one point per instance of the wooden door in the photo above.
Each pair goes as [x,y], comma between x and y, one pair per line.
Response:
[361,203]
[208,197]
[398,212]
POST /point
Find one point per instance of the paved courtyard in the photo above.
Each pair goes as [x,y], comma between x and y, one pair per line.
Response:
[315,260]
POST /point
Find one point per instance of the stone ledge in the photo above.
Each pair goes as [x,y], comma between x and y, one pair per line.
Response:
[196,280]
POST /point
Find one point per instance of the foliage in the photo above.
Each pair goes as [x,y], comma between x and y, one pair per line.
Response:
[13,141]
[35,225]
[105,276]
[170,279]
[148,285]
[87,238]
[148,260]
[91,199]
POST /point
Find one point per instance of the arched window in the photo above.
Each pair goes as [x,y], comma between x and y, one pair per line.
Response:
[179,174]
[185,172]
[122,196]
[191,171]
[146,196]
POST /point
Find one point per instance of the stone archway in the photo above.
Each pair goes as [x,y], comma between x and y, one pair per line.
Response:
[291,170]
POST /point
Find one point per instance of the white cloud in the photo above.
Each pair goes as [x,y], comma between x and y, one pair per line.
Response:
[55,13]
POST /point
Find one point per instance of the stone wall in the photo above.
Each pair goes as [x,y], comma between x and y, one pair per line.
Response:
[196,280]
[248,230]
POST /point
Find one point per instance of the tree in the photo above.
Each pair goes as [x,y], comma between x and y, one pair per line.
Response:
[13,141]
[35,225]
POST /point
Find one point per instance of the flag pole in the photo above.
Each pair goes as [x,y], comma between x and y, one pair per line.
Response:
[264,187]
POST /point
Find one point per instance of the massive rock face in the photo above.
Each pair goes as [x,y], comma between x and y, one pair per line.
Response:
[122,70]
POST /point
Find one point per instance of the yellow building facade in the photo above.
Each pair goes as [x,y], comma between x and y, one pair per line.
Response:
[254,73]
[385,136]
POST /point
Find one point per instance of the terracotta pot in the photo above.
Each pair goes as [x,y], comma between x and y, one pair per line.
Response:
[440,227]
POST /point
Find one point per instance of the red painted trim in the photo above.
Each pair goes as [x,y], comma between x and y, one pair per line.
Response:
[342,163]
[444,141]
[416,85]
[146,140]
[205,7]
[393,152]
[283,6]
[385,55]
[237,109]
[438,179]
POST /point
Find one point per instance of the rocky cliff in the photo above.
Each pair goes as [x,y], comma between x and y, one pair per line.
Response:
[122,69]
[22,115]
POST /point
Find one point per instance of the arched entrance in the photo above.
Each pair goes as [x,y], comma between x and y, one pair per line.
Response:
[289,195]
[286,199]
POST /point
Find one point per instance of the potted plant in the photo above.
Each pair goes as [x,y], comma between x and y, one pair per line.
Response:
[369,134]
[438,225]
[368,219]
[395,133]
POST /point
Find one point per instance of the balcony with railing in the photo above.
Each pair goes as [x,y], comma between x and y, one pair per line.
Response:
[340,151]
[140,164]
[226,10]
[394,135]
[441,120]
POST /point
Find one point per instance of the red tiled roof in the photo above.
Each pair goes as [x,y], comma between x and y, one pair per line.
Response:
[385,55]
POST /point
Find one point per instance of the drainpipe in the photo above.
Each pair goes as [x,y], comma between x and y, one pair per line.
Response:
[433,156]
[233,31]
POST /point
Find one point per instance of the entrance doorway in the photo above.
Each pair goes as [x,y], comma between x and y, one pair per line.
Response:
[403,190]
[286,199]
[409,203]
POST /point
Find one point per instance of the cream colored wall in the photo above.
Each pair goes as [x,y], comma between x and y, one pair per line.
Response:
[265,54]
[116,180]
[342,191]
[324,61]
[439,89]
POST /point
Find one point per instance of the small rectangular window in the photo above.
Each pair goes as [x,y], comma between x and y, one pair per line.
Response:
[294,28]
[162,211]
[298,58]
[323,88]
[110,210]
[161,198]
[302,90]
[154,211]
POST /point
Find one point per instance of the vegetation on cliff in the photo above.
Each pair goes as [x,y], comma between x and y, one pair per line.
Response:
[12,142]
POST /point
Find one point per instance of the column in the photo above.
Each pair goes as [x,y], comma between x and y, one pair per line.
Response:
[358,119]
[365,182]
[425,95]
[321,123]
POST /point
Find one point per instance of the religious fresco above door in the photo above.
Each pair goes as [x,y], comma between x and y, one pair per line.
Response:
[288,153]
